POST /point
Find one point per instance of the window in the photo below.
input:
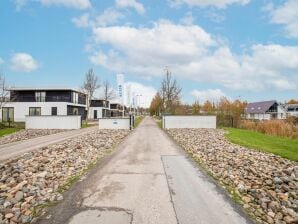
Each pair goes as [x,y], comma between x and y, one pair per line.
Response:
[7,114]
[34,111]
[75,97]
[75,111]
[40,96]
[54,111]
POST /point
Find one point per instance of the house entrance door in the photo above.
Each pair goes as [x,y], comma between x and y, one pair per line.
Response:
[95,114]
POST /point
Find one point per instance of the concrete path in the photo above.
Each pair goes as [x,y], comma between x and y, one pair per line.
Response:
[18,148]
[148,180]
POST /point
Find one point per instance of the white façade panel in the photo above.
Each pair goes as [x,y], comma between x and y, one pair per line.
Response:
[114,123]
[53,122]
[189,121]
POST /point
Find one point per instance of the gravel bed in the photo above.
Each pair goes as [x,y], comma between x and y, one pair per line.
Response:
[27,134]
[265,184]
[34,180]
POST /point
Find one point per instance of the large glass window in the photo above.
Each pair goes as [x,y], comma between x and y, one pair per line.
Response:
[40,96]
[34,111]
[75,97]
[7,114]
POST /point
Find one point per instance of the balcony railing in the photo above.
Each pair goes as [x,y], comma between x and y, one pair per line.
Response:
[40,99]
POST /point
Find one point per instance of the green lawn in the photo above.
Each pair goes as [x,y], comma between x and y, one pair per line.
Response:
[138,120]
[6,131]
[284,147]
[159,123]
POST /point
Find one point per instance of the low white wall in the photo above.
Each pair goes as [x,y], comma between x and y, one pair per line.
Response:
[189,121]
[113,123]
[53,122]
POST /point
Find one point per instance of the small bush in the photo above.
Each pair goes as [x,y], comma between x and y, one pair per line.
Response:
[283,128]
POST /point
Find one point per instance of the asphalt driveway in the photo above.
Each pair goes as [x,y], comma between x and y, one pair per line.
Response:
[147,180]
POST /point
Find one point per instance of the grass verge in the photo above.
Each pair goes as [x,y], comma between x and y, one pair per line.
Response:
[158,121]
[284,147]
[138,120]
[6,131]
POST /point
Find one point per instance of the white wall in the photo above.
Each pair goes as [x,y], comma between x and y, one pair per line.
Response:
[113,123]
[53,122]
[292,113]
[99,112]
[21,109]
[189,122]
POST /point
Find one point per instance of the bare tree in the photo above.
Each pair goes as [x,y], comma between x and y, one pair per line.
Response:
[170,93]
[4,91]
[91,84]
[108,91]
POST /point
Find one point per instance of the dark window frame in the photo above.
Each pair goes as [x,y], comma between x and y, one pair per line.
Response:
[9,108]
[54,111]
[40,96]
[35,111]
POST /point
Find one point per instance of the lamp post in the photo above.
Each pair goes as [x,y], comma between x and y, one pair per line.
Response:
[138,102]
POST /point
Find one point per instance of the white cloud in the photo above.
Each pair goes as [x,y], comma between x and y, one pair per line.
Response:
[78,4]
[147,93]
[82,21]
[1,61]
[108,17]
[192,53]
[282,84]
[216,17]
[212,95]
[206,3]
[187,19]
[287,15]
[19,4]
[131,4]
[23,62]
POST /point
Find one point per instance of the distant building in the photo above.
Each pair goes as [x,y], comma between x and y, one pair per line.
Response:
[43,101]
[265,110]
[99,109]
[117,110]
[292,110]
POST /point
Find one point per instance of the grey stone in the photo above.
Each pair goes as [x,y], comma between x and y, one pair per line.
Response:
[277,180]
[19,196]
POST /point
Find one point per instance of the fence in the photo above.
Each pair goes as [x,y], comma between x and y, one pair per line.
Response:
[177,121]
[53,122]
[116,123]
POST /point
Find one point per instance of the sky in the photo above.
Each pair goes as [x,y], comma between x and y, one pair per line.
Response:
[244,49]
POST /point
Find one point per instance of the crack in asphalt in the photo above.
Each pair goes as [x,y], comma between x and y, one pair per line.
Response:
[169,188]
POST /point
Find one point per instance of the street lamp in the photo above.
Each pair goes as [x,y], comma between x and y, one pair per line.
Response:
[138,102]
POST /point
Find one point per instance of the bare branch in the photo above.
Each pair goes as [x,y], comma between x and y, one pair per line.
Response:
[108,91]
[4,91]
[90,85]
[170,93]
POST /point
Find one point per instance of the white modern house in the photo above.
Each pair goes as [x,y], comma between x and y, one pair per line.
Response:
[99,109]
[266,110]
[292,110]
[43,102]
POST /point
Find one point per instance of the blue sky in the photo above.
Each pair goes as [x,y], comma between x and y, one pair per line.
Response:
[233,48]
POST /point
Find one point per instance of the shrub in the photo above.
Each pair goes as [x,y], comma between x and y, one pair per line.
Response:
[283,128]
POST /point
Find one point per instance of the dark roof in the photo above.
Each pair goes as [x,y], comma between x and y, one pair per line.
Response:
[259,107]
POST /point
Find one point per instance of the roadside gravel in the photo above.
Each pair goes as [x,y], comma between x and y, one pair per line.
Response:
[37,178]
[27,134]
[265,184]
